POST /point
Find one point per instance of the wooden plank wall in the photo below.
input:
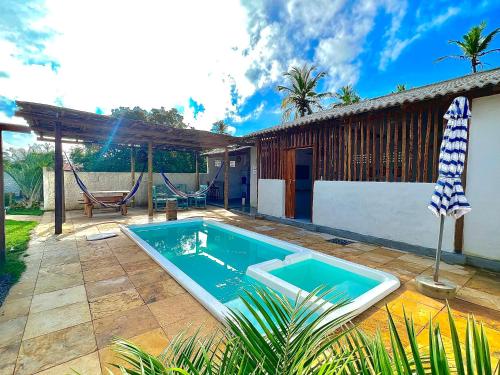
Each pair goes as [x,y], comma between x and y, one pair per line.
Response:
[397,145]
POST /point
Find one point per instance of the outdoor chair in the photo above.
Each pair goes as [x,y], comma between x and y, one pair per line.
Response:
[182,202]
[200,201]
[160,195]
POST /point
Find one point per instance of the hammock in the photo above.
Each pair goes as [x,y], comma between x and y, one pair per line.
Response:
[181,194]
[92,198]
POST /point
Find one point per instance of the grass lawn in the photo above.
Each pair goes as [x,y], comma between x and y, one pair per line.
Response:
[25,211]
[17,235]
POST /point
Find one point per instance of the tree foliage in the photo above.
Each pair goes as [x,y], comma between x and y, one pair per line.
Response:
[347,95]
[26,168]
[220,127]
[474,45]
[116,158]
[161,116]
[301,97]
[400,87]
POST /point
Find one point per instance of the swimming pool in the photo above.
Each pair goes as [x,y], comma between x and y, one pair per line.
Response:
[215,262]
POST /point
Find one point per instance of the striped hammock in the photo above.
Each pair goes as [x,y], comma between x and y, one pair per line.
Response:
[93,199]
[182,194]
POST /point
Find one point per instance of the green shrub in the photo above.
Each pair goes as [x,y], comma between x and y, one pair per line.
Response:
[288,338]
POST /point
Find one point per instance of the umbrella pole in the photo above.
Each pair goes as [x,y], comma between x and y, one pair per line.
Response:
[438,251]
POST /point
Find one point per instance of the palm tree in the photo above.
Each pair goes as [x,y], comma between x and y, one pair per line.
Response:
[347,95]
[220,127]
[293,337]
[400,87]
[474,46]
[301,97]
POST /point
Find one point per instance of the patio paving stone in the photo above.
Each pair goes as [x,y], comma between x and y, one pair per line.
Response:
[115,302]
[485,282]
[418,311]
[149,277]
[176,308]
[160,290]
[479,298]
[103,287]
[203,324]
[58,277]
[8,355]
[362,246]
[125,324]
[47,321]
[154,341]
[103,273]
[99,263]
[461,325]
[375,320]
[58,347]
[488,316]
[11,331]
[87,365]
[90,253]
[141,266]
[15,308]
[386,252]
[22,289]
[64,256]
[131,254]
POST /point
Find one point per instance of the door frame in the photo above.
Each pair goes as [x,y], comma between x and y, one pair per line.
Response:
[289,176]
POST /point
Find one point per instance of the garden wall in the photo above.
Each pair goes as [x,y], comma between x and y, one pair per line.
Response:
[107,181]
[271,197]
[394,211]
[482,224]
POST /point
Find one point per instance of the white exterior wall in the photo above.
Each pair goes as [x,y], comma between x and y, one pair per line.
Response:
[107,181]
[391,210]
[271,197]
[482,224]
[253,177]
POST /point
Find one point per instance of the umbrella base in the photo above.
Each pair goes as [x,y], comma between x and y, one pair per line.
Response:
[443,289]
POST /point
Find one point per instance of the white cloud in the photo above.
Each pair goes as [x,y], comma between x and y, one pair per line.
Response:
[338,29]
[396,45]
[255,114]
[151,54]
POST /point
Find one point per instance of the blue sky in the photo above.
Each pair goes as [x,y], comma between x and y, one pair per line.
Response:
[222,60]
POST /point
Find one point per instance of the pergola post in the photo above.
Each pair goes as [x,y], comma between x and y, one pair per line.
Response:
[150,179]
[226,178]
[2,208]
[196,171]
[58,181]
[132,170]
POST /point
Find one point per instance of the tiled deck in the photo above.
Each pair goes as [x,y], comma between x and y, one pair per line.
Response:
[76,295]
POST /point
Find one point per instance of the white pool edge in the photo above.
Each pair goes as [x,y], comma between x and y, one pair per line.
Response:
[260,271]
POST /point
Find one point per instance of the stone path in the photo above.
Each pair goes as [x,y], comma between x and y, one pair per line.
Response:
[76,295]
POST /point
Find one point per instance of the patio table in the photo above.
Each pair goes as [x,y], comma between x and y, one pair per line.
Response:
[105,196]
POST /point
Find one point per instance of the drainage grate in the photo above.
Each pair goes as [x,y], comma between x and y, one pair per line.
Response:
[340,241]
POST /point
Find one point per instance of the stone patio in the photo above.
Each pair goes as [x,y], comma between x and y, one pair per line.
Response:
[76,295]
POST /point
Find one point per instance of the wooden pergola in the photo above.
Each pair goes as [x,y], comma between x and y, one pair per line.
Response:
[64,125]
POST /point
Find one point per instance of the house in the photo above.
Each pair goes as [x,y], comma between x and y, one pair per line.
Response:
[367,170]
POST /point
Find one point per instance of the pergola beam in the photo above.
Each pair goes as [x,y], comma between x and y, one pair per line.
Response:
[226,178]
[150,179]
[58,183]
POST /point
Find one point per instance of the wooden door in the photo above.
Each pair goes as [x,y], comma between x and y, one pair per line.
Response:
[290,183]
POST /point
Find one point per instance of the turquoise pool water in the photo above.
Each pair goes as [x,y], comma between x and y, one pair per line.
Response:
[311,273]
[217,259]
[214,257]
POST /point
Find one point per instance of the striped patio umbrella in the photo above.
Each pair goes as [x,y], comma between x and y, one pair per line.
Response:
[448,198]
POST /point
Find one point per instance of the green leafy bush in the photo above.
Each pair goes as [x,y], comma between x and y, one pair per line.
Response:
[290,337]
